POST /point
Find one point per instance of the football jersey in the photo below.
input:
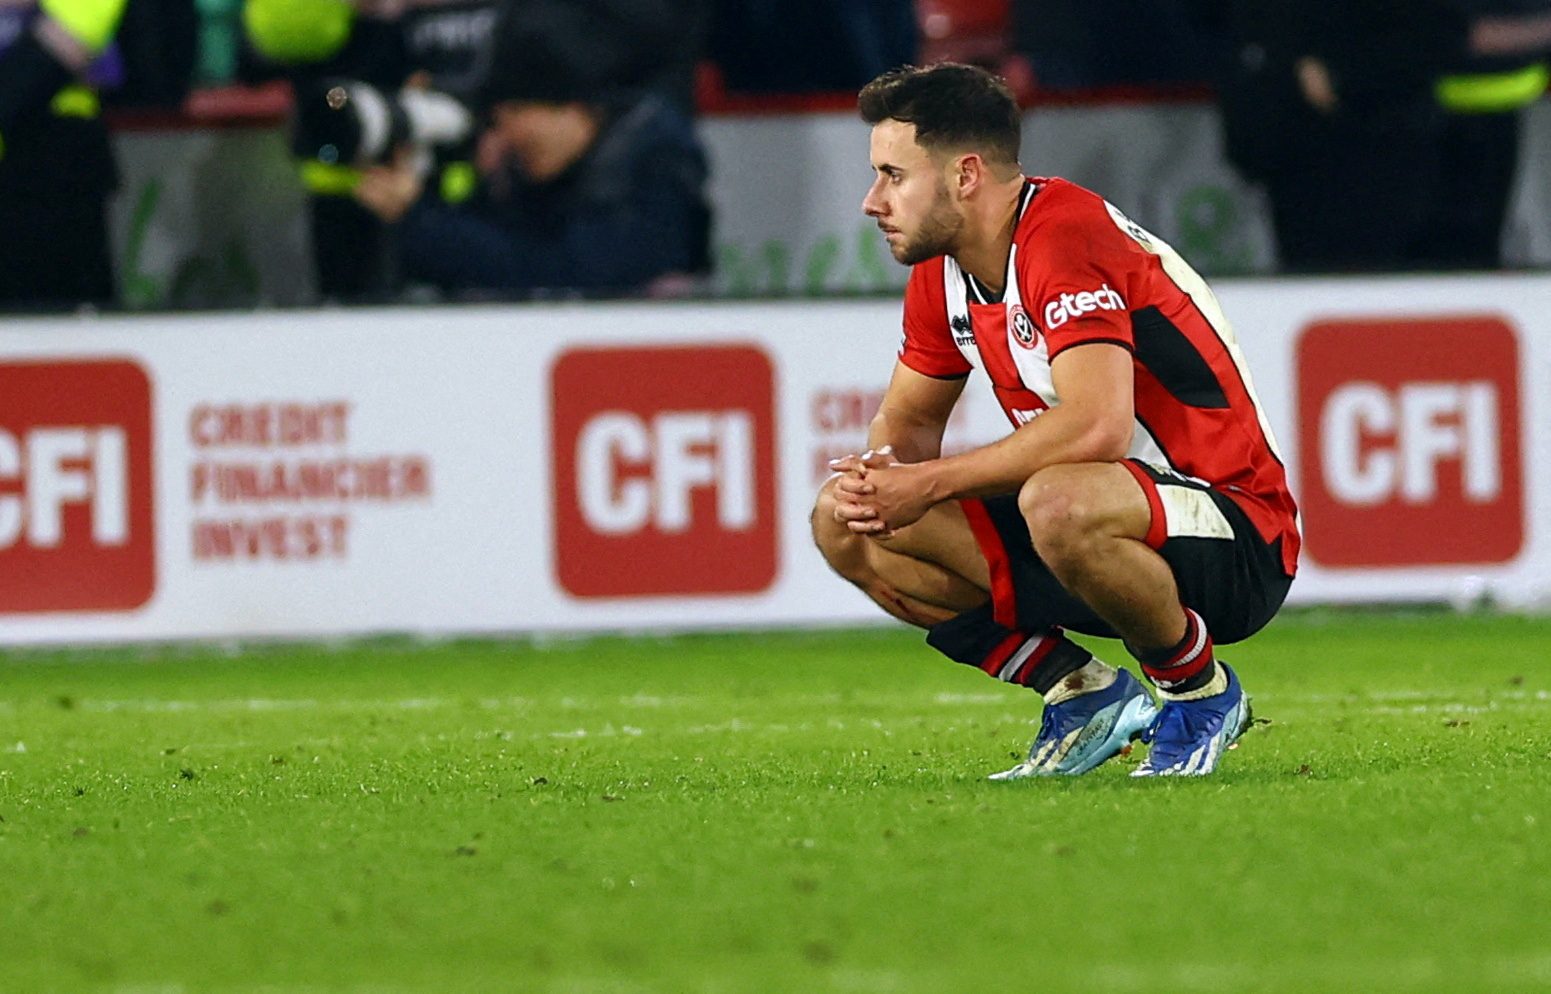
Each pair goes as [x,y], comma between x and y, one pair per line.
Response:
[1081,272]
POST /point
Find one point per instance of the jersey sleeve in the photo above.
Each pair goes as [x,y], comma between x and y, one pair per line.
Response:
[1080,274]
[928,343]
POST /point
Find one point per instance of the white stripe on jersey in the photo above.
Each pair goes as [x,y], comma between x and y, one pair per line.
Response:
[1033,365]
[957,295]
[1188,280]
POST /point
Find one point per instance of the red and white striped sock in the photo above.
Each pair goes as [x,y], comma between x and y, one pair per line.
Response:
[1039,661]
[1036,661]
[1185,668]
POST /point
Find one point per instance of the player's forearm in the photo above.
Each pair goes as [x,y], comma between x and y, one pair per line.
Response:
[911,440]
[1057,437]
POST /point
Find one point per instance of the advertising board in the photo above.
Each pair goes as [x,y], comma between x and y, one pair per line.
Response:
[574,468]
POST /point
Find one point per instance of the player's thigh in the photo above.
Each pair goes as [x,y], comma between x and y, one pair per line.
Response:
[943,537]
[1025,594]
[1084,499]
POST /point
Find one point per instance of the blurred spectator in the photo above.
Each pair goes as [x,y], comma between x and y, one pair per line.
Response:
[645,46]
[1355,117]
[974,32]
[158,44]
[586,186]
[1347,171]
[386,45]
[57,169]
[805,46]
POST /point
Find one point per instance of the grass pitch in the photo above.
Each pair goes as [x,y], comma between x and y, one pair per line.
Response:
[766,813]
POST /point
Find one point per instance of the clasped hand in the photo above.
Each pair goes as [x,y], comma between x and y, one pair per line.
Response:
[876,494]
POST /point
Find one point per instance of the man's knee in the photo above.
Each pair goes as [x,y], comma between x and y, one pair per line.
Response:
[826,527]
[1063,509]
[845,550]
[858,558]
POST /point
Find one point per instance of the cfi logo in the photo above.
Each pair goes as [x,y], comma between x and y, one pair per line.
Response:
[664,462]
[1410,452]
[76,490]
[1022,326]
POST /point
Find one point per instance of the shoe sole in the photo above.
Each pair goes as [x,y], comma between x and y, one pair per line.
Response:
[1135,715]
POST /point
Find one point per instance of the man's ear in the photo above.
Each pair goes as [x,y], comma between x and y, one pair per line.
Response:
[969,173]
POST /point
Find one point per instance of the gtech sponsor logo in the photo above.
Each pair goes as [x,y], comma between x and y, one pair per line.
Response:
[75,487]
[664,470]
[1410,450]
[1068,306]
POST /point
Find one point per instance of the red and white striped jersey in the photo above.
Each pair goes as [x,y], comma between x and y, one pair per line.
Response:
[1080,272]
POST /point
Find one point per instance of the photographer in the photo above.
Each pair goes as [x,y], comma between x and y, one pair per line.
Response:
[585,187]
[381,47]
[409,50]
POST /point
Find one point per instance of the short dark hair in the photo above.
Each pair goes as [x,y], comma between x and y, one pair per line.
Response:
[951,105]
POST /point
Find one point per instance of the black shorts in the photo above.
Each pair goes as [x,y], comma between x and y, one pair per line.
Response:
[1226,571]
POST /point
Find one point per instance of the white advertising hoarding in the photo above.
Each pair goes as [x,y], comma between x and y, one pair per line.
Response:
[619,467]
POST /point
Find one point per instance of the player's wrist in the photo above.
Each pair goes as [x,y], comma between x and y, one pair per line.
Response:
[937,481]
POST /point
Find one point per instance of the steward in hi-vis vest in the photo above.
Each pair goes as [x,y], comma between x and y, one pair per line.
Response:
[1385,134]
[57,169]
[1484,93]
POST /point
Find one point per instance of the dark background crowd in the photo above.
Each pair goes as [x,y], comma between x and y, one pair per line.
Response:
[522,148]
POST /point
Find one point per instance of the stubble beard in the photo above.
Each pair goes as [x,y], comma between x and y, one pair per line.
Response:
[936,236]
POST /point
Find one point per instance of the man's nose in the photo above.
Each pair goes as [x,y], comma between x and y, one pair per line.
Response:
[872,204]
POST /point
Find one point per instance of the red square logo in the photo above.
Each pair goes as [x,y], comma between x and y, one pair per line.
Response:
[75,487]
[1409,445]
[664,471]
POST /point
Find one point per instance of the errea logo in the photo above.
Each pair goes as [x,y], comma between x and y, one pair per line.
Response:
[1074,305]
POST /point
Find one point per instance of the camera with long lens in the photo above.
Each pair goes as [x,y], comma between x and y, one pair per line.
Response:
[350,123]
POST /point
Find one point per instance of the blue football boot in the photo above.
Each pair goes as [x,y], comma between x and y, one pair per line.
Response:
[1189,737]
[1083,731]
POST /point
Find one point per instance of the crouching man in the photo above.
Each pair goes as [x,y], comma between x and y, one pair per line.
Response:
[1139,494]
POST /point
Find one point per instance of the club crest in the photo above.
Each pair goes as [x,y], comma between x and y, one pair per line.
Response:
[1022,327]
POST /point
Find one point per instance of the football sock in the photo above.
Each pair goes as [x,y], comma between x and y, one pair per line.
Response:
[1186,670]
[1040,661]
[1093,675]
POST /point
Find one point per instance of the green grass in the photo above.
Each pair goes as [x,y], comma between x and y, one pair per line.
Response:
[799,812]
